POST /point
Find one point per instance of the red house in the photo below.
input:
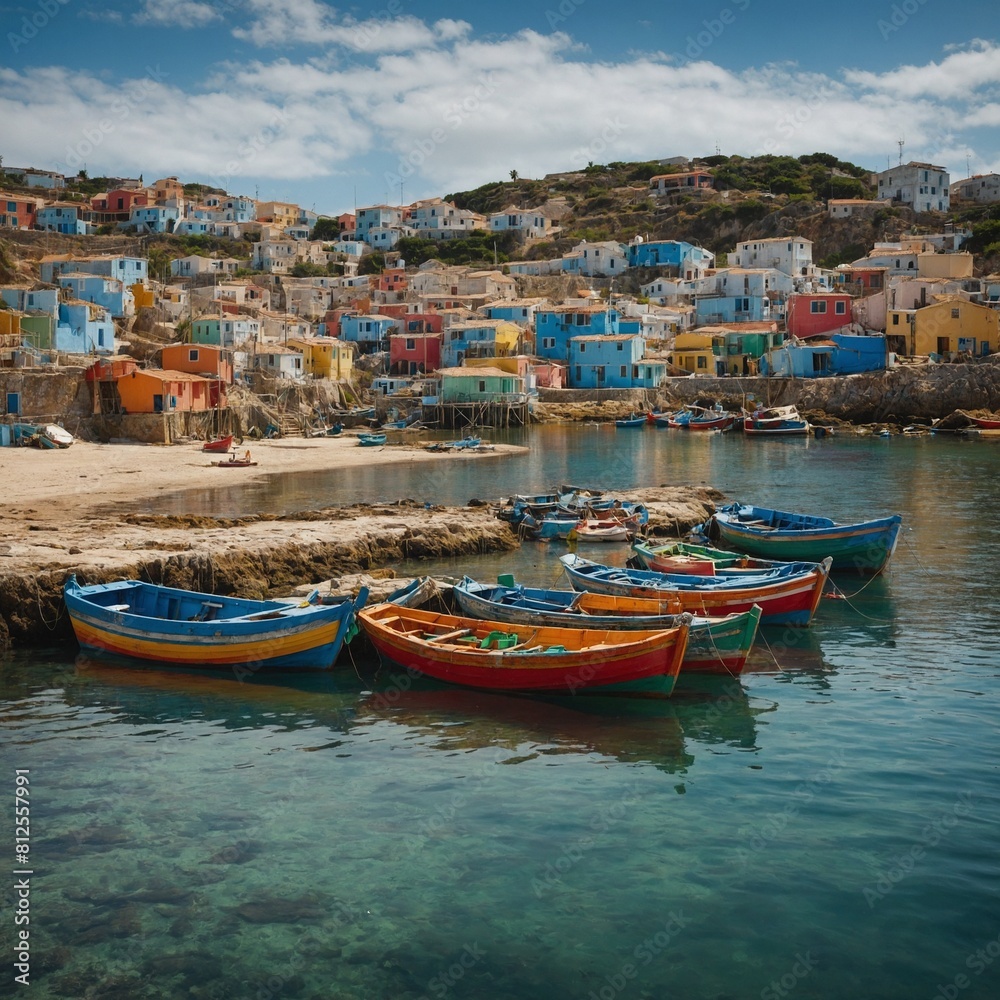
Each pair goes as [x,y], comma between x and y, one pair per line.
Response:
[392,279]
[17,212]
[810,313]
[414,353]
[116,205]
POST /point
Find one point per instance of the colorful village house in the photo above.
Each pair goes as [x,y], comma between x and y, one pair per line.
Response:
[325,357]
[945,329]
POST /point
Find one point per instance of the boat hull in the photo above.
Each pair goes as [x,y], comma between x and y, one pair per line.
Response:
[865,547]
[717,645]
[550,660]
[270,635]
[790,599]
[222,444]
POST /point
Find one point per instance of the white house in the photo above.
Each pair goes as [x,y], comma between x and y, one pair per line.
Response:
[533,223]
[923,186]
[280,362]
[440,220]
[845,208]
[182,267]
[791,255]
[983,188]
[605,259]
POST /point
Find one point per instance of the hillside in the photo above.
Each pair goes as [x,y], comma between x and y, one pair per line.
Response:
[754,197]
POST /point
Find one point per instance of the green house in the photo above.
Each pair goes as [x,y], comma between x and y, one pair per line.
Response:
[479,385]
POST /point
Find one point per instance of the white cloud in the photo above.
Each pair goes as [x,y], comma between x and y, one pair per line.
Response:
[177,14]
[442,110]
[309,22]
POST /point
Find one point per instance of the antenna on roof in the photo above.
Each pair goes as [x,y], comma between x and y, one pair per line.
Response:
[900,143]
[968,168]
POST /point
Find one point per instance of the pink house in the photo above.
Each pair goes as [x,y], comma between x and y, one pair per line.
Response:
[550,376]
[392,279]
[414,353]
[808,314]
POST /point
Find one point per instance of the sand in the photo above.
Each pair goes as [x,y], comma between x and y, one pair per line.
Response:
[70,508]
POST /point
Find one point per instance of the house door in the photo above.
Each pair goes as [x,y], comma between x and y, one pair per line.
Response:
[14,403]
[943,345]
[157,403]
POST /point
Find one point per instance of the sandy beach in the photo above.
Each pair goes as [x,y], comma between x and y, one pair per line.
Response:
[63,485]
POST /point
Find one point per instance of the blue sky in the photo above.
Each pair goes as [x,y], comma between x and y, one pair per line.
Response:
[332,106]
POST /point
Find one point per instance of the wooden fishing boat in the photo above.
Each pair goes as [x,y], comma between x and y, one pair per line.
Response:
[245,461]
[865,547]
[54,436]
[414,594]
[497,656]
[715,644]
[699,560]
[604,531]
[772,421]
[986,423]
[371,440]
[787,596]
[164,625]
[222,444]
[712,420]
[632,421]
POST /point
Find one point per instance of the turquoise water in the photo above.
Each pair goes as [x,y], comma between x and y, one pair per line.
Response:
[824,828]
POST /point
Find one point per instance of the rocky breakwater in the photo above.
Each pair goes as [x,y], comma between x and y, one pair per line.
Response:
[260,556]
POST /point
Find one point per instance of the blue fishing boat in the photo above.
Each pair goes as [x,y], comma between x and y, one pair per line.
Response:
[371,440]
[632,421]
[164,625]
[865,546]
[715,645]
[776,421]
[787,595]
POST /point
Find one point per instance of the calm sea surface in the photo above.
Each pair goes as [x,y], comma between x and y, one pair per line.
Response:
[827,827]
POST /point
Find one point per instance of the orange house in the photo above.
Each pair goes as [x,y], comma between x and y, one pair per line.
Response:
[163,391]
[199,359]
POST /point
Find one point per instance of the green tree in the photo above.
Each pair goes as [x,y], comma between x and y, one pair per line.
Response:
[513,175]
[325,229]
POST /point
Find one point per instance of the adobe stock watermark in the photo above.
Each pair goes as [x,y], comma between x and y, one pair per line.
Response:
[904,864]
[899,14]
[977,962]
[643,954]
[249,149]
[788,124]
[613,128]
[32,24]
[777,989]
[712,28]
[443,981]
[368,30]
[562,13]
[454,117]
[121,108]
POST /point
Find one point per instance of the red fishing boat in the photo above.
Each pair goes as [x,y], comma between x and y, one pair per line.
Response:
[500,656]
[222,444]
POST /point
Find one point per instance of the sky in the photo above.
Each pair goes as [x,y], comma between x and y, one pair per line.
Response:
[333,107]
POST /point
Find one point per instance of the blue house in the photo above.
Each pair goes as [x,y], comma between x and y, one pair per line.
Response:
[670,253]
[25,300]
[486,338]
[83,328]
[106,292]
[520,311]
[63,218]
[151,219]
[612,361]
[128,270]
[192,227]
[839,354]
[555,326]
[714,309]
[368,332]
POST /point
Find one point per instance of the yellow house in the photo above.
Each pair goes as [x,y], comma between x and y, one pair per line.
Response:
[693,352]
[949,327]
[143,296]
[944,265]
[10,323]
[280,213]
[325,357]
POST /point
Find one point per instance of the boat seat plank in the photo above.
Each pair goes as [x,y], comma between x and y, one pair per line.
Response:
[457,633]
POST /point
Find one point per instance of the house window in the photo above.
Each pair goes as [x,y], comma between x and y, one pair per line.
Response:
[895,320]
[954,314]
[482,385]
[583,348]
[621,346]
[841,308]
[817,307]
[411,344]
[702,362]
[578,373]
[193,354]
[624,371]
